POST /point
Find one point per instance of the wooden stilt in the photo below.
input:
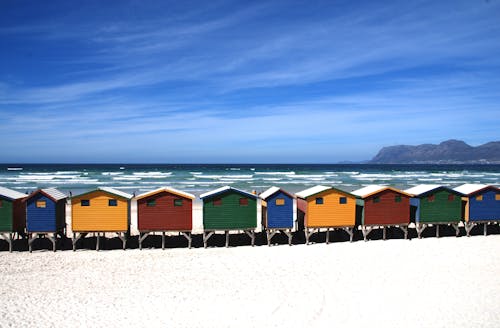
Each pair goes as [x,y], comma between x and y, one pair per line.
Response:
[468,228]
[420,228]
[187,235]
[289,234]
[97,242]
[123,238]
[227,238]
[437,230]
[457,230]
[327,236]
[268,237]
[142,237]
[10,242]
[163,240]
[384,233]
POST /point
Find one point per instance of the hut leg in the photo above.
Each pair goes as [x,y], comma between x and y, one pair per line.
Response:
[485,229]
[187,235]
[306,232]
[142,236]
[163,240]
[10,242]
[437,230]
[457,230]
[366,231]
[123,237]
[97,242]
[468,228]
[190,241]
[268,237]
[289,234]
[384,233]
[204,240]
[405,231]
[30,241]
[350,232]
[227,238]
[327,236]
[253,238]
[420,228]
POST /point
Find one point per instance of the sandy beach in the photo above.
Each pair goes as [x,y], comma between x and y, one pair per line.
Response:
[433,282]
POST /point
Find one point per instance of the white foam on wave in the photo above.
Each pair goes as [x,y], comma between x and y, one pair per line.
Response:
[126,178]
[152,174]
[111,173]
[276,173]
[196,173]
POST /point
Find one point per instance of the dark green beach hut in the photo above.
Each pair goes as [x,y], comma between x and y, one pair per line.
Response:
[435,205]
[229,209]
[12,214]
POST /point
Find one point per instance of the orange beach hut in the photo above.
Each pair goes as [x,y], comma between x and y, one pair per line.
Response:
[99,211]
[326,207]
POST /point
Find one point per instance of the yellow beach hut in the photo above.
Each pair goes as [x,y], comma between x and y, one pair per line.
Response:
[99,211]
[323,207]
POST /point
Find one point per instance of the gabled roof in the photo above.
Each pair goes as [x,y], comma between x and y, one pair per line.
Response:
[319,189]
[423,189]
[108,190]
[165,189]
[271,191]
[225,189]
[370,190]
[474,188]
[11,194]
[51,193]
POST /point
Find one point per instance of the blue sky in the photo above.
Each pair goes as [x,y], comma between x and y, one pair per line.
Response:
[244,82]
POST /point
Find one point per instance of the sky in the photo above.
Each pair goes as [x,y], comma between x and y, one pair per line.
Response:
[243,81]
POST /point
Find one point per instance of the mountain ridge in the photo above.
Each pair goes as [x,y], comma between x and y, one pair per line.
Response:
[447,152]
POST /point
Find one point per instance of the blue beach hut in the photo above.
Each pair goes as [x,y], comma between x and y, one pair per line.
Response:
[481,205]
[45,215]
[277,213]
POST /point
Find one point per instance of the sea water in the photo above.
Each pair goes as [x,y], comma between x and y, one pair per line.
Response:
[199,178]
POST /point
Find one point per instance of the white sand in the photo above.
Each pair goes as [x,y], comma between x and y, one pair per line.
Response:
[445,282]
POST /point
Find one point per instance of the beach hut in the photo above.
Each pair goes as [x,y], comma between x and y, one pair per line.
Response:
[383,207]
[12,214]
[163,210]
[45,215]
[480,205]
[277,213]
[100,211]
[434,205]
[228,209]
[326,207]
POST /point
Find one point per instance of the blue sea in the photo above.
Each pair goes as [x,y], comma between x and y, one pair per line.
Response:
[199,178]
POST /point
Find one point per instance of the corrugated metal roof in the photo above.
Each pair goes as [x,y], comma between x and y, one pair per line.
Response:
[166,189]
[311,191]
[11,194]
[375,189]
[471,188]
[368,190]
[224,189]
[271,191]
[116,192]
[54,193]
[421,189]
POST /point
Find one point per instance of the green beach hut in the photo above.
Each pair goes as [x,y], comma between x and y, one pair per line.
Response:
[435,205]
[12,214]
[229,209]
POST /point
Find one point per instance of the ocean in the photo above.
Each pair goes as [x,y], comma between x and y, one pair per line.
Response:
[199,178]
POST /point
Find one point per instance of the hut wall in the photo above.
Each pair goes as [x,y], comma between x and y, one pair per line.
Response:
[19,219]
[39,219]
[230,214]
[486,209]
[279,216]
[441,209]
[99,216]
[387,210]
[164,215]
[6,215]
[331,213]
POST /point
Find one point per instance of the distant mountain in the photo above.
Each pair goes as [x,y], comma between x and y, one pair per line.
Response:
[447,152]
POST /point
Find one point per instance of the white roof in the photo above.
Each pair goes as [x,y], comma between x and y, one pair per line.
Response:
[421,189]
[470,188]
[166,189]
[116,192]
[269,192]
[54,193]
[223,189]
[11,194]
[368,190]
[311,191]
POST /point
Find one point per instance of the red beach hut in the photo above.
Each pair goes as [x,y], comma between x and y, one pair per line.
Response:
[383,207]
[163,210]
